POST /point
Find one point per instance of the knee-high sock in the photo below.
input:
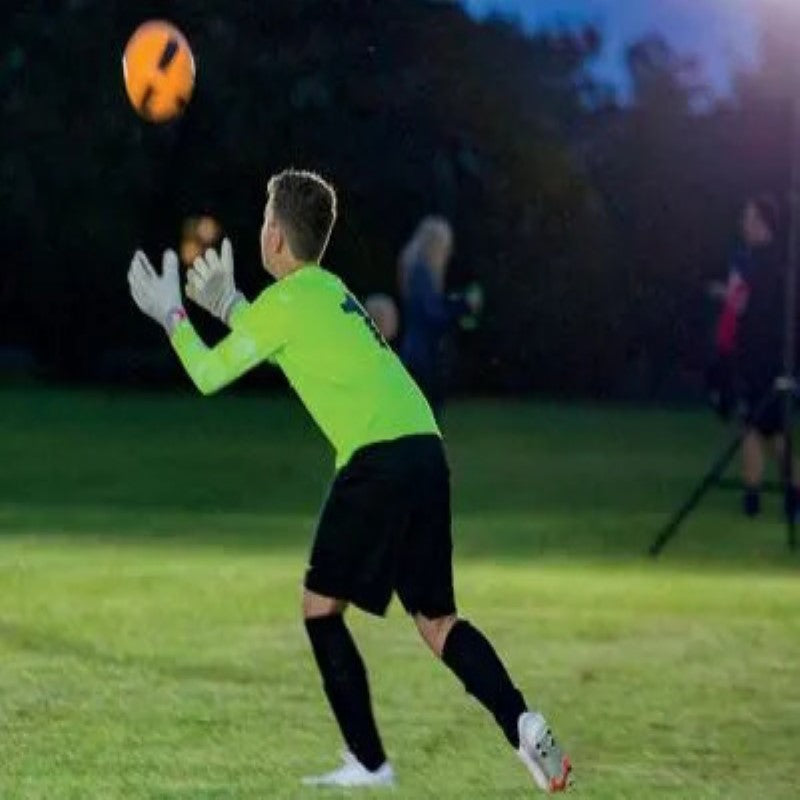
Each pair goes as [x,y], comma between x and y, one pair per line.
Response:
[472,658]
[344,679]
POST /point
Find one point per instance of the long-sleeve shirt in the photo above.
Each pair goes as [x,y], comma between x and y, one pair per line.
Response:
[428,315]
[311,327]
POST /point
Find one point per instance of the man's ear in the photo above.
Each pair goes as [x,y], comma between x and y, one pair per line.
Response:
[280,239]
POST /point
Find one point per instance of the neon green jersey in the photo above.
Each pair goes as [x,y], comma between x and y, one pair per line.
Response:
[310,326]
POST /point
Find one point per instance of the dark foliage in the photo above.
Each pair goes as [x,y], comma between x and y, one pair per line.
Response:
[592,226]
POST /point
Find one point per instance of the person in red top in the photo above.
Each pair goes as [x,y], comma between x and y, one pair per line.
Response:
[749,343]
[758,222]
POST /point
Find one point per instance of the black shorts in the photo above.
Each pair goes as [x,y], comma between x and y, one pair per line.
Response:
[766,416]
[385,528]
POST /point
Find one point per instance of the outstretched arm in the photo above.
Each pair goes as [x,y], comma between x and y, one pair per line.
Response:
[211,369]
[260,331]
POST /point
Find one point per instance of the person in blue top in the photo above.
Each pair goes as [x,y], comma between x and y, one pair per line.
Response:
[428,312]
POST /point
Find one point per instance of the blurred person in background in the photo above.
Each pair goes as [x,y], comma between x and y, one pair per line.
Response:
[197,235]
[428,312]
[749,340]
[383,311]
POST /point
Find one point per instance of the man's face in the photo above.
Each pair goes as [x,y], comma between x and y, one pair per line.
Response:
[754,230]
[271,242]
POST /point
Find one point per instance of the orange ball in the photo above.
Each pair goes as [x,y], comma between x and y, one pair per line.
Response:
[158,68]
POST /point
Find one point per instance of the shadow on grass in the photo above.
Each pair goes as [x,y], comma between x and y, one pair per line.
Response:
[530,481]
[31,640]
[714,538]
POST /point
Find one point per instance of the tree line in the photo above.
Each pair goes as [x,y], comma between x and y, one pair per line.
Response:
[593,223]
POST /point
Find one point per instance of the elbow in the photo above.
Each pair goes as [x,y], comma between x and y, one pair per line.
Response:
[206,388]
[205,384]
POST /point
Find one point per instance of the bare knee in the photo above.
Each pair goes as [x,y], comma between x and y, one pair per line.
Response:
[435,631]
[317,605]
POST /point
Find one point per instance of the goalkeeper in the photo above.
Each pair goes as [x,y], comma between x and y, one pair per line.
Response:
[385,526]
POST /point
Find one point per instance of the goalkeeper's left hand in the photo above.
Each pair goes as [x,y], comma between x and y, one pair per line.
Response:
[158,296]
[210,282]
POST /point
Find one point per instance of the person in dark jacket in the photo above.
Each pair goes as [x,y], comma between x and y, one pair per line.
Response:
[428,311]
[750,332]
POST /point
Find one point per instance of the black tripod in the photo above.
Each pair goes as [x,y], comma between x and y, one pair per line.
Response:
[784,388]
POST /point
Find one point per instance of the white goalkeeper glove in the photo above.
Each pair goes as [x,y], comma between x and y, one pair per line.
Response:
[158,296]
[210,282]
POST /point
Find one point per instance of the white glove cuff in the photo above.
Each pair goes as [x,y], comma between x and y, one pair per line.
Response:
[229,304]
[174,317]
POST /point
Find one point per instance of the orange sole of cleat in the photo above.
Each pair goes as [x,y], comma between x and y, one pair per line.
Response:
[560,784]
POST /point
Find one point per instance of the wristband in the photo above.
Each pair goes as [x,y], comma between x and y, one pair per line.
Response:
[174,318]
[228,307]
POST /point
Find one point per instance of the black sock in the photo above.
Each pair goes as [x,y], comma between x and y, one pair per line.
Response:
[472,658]
[751,502]
[344,679]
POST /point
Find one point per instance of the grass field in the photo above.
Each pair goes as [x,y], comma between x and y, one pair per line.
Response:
[151,550]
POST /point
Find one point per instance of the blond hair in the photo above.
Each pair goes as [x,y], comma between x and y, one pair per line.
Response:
[432,232]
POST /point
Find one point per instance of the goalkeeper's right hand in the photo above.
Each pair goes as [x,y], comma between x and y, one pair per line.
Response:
[210,282]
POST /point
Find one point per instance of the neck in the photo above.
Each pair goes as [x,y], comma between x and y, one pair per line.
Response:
[294,266]
[288,267]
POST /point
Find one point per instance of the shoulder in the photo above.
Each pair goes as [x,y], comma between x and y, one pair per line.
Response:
[276,295]
[273,305]
[329,280]
[293,295]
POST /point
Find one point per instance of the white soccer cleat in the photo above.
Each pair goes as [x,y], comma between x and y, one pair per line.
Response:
[353,773]
[540,753]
